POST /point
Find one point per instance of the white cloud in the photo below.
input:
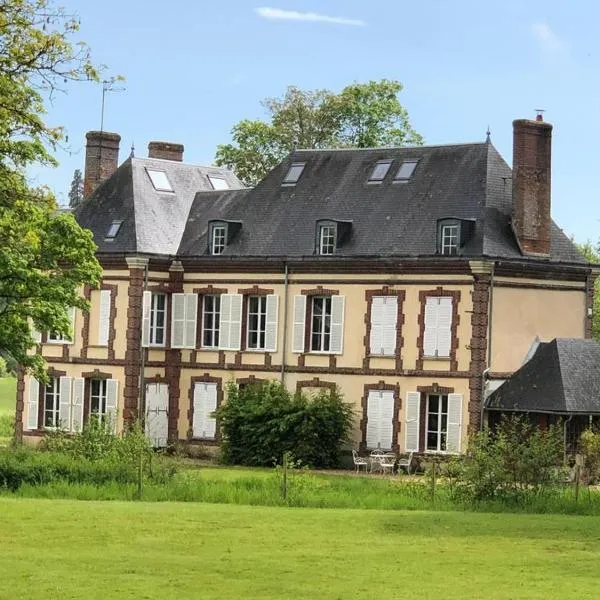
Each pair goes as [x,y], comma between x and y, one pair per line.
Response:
[267,12]
[548,41]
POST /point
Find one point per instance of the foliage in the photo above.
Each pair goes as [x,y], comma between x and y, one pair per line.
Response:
[7,426]
[3,368]
[589,447]
[513,462]
[361,115]
[76,191]
[260,423]
[592,254]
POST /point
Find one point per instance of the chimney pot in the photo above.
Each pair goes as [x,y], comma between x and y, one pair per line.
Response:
[166,151]
[101,159]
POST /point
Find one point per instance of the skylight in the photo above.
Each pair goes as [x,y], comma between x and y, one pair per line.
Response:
[218,183]
[294,173]
[380,170]
[160,181]
[113,230]
[406,170]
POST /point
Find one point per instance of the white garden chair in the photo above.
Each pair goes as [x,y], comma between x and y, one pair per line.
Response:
[405,463]
[359,461]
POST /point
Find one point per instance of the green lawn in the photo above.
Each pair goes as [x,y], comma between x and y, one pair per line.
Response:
[68,549]
[8,395]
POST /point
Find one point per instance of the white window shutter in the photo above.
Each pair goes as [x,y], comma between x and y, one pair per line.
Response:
[453,434]
[64,414]
[412,418]
[389,325]
[431,326]
[224,328]
[112,401]
[373,436]
[77,393]
[191,315]
[377,319]
[387,417]
[146,307]
[211,406]
[230,333]
[104,317]
[271,323]
[33,402]
[177,320]
[337,324]
[444,326]
[298,343]
[204,426]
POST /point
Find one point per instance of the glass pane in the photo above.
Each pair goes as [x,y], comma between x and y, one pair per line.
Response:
[433,422]
[432,441]
[160,181]
[315,342]
[380,170]
[218,183]
[294,173]
[406,169]
[433,404]
[445,404]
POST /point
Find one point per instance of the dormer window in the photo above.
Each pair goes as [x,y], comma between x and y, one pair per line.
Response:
[159,180]
[218,238]
[449,239]
[380,171]
[294,173]
[218,183]
[331,235]
[453,234]
[405,170]
[113,230]
[327,238]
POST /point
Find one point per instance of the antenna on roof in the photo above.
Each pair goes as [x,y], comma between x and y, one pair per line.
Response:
[488,135]
[539,116]
[108,85]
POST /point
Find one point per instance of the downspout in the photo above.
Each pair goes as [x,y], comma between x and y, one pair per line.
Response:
[285,312]
[490,315]
[142,382]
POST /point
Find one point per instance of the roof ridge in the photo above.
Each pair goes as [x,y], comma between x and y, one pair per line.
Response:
[424,147]
[180,163]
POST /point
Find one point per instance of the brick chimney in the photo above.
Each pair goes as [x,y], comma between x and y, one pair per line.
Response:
[101,159]
[531,220]
[165,150]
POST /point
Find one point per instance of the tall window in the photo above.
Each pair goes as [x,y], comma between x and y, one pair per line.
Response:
[218,240]
[437,422]
[327,237]
[320,338]
[449,241]
[211,318]
[52,403]
[158,318]
[257,322]
[98,399]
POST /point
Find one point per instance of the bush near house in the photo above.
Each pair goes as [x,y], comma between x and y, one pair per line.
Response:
[260,423]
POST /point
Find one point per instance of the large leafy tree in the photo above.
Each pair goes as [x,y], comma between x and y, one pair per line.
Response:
[45,257]
[362,115]
[592,253]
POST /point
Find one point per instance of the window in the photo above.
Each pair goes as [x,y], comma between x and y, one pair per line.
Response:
[98,398]
[380,170]
[380,420]
[218,240]
[437,337]
[257,322]
[57,338]
[158,318]
[159,180]
[52,403]
[449,239]
[384,318]
[218,183]
[327,239]
[437,422]
[321,324]
[204,425]
[211,317]
[113,230]
[406,170]
[294,173]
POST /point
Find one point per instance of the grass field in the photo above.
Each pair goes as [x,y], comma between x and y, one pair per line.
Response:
[69,550]
[8,395]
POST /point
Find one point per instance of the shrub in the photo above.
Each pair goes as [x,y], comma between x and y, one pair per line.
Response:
[260,423]
[4,372]
[7,426]
[589,445]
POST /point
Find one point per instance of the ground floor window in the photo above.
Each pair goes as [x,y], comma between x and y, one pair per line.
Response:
[98,399]
[52,403]
[437,422]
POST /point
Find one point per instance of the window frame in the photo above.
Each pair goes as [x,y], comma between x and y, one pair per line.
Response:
[453,248]
[439,432]
[213,229]
[332,228]
[154,311]
[102,398]
[55,410]
[398,179]
[215,329]
[261,321]
[324,333]
[111,236]
[288,180]
[225,184]
[157,187]
[385,161]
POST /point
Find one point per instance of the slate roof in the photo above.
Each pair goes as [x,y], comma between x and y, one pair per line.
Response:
[466,181]
[153,222]
[563,376]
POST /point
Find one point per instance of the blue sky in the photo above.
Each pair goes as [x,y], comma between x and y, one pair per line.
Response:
[193,69]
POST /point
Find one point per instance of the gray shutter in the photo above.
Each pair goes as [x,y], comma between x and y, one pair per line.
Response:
[431,327]
[377,319]
[146,307]
[387,417]
[77,392]
[453,434]
[444,326]
[271,324]
[104,318]
[112,402]
[64,394]
[33,402]
[191,315]
[177,320]
[412,417]
[373,435]
[337,324]
[389,324]
[298,343]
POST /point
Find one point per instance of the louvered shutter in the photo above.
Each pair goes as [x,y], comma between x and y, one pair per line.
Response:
[337,324]
[104,317]
[77,392]
[191,315]
[224,327]
[211,406]
[444,326]
[373,419]
[230,333]
[112,402]
[64,414]
[386,417]
[453,434]
[298,343]
[204,425]
[146,308]
[271,323]
[177,320]
[377,319]
[412,417]
[33,402]
[431,326]
[389,324]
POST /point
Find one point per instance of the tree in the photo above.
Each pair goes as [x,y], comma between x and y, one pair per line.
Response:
[592,254]
[45,257]
[362,115]
[76,191]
